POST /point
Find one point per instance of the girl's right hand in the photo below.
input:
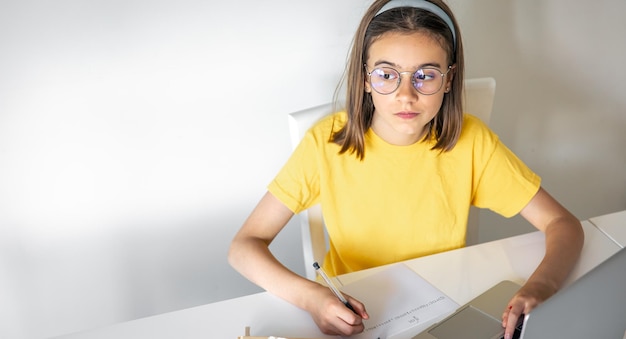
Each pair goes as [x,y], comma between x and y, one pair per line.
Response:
[333,317]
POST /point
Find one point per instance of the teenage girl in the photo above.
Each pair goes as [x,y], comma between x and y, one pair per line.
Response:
[397,171]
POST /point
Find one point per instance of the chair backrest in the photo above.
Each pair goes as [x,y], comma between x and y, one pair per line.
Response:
[479,95]
[314,241]
[478,101]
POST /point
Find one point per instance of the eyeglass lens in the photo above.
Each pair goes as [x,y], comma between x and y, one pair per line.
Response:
[386,80]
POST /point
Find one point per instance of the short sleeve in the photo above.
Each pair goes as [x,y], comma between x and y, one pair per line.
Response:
[297,184]
[505,184]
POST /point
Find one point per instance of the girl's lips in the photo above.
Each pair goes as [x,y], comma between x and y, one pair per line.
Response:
[407,115]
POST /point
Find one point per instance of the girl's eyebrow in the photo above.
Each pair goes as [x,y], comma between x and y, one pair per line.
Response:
[394,65]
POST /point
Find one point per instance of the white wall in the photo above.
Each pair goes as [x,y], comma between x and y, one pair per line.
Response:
[136,136]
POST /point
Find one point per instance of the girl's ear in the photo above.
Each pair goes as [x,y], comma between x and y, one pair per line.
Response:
[367,87]
[449,78]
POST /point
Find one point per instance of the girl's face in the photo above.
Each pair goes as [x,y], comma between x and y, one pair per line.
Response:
[401,117]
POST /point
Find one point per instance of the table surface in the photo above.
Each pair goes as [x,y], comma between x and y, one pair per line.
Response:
[613,225]
[461,274]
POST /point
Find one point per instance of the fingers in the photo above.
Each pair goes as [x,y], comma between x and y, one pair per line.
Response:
[334,318]
[526,299]
[510,319]
[358,307]
[342,321]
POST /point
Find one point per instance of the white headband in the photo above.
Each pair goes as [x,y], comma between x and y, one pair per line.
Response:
[425,5]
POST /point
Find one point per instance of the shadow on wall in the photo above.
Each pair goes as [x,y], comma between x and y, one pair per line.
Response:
[167,269]
[559,103]
[572,95]
[141,269]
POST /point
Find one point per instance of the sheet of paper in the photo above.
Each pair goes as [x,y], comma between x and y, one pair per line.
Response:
[398,300]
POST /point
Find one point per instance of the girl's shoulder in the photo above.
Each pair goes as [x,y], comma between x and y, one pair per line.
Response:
[474,130]
[473,125]
[473,122]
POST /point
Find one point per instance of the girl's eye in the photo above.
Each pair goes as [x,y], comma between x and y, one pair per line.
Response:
[385,74]
[425,74]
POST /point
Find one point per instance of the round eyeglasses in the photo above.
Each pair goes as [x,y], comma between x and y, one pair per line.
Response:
[426,80]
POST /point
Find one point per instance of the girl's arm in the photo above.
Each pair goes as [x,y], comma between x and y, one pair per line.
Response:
[564,241]
[250,255]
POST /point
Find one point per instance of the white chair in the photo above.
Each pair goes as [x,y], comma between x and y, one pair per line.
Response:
[479,96]
[478,101]
[314,243]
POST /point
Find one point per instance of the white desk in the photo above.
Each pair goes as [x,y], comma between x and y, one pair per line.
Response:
[613,225]
[461,274]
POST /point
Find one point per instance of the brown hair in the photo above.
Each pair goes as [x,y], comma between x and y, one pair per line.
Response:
[446,126]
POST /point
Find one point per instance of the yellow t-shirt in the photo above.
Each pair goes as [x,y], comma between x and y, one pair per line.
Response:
[400,202]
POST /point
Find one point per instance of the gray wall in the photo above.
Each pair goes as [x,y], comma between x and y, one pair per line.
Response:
[136,136]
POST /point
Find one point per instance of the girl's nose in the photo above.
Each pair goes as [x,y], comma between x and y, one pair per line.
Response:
[406,91]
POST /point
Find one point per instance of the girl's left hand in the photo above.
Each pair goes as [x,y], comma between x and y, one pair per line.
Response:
[527,298]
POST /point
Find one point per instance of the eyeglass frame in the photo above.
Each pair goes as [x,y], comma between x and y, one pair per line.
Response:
[443,75]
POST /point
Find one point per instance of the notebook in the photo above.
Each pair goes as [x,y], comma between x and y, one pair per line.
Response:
[594,306]
[399,301]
